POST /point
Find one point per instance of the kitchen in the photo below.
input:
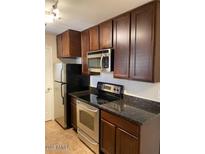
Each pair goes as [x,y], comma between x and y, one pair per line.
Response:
[103,80]
[128,101]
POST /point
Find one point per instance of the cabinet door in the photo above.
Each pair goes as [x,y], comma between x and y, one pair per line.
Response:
[75,43]
[59,45]
[73,113]
[121,43]
[106,34]
[107,137]
[142,43]
[65,44]
[126,143]
[84,49]
[94,38]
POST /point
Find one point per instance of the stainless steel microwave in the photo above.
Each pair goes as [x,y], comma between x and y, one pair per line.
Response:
[100,60]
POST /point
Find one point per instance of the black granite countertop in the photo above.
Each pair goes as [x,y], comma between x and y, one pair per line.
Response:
[134,109]
[78,94]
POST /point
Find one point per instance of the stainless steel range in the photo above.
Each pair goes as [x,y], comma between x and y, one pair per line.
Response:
[88,112]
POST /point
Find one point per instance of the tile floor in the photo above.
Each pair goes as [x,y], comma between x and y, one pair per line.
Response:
[60,141]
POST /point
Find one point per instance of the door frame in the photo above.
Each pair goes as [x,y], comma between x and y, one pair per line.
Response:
[52,80]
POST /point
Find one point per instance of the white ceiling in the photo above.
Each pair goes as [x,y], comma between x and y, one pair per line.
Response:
[82,14]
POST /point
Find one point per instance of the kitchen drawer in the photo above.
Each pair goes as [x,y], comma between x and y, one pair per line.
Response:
[121,123]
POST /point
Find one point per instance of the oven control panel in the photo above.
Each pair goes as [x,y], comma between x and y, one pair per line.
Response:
[112,88]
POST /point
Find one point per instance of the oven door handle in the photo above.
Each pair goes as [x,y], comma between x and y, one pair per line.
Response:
[87,108]
[87,138]
[91,110]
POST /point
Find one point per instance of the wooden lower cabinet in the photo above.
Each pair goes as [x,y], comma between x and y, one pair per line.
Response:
[73,113]
[117,135]
[107,137]
[120,136]
[126,143]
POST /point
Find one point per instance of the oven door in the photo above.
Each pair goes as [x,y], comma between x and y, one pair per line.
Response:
[88,120]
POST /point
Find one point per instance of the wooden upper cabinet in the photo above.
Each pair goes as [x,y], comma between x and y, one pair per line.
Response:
[84,50]
[65,44]
[121,44]
[94,38]
[144,58]
[69,45]
[59,45]
[126,143]
[106,34]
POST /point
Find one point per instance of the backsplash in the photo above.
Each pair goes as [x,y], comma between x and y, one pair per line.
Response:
[140,89]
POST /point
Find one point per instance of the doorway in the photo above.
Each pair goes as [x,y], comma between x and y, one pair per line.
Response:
[49,94]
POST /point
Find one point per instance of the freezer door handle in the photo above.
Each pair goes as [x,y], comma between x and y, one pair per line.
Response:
[61,75]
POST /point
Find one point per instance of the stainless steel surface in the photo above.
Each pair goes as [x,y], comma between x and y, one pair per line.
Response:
[97,55]
[111,88]
[58,72]
[89,122]
[63,73]
[69,79]
[58,105]
[100,54]
[88,116]
[101,62]
[95,70]
[59,92]
[94,146]
[63,90]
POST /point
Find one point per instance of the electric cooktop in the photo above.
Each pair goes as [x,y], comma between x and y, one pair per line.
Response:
[107,92]
[98,99]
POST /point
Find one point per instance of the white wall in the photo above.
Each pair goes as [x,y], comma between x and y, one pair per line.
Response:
[146,90]
[50,40]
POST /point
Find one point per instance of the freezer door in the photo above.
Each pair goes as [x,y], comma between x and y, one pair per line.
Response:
[59,104]
[64,80]
[58,72]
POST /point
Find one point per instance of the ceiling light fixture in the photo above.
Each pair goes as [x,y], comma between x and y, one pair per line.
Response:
[53,14]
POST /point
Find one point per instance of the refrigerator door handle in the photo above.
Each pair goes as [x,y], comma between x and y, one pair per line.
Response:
[62,91]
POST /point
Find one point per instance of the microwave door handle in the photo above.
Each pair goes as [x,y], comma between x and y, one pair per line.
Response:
[101,65]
